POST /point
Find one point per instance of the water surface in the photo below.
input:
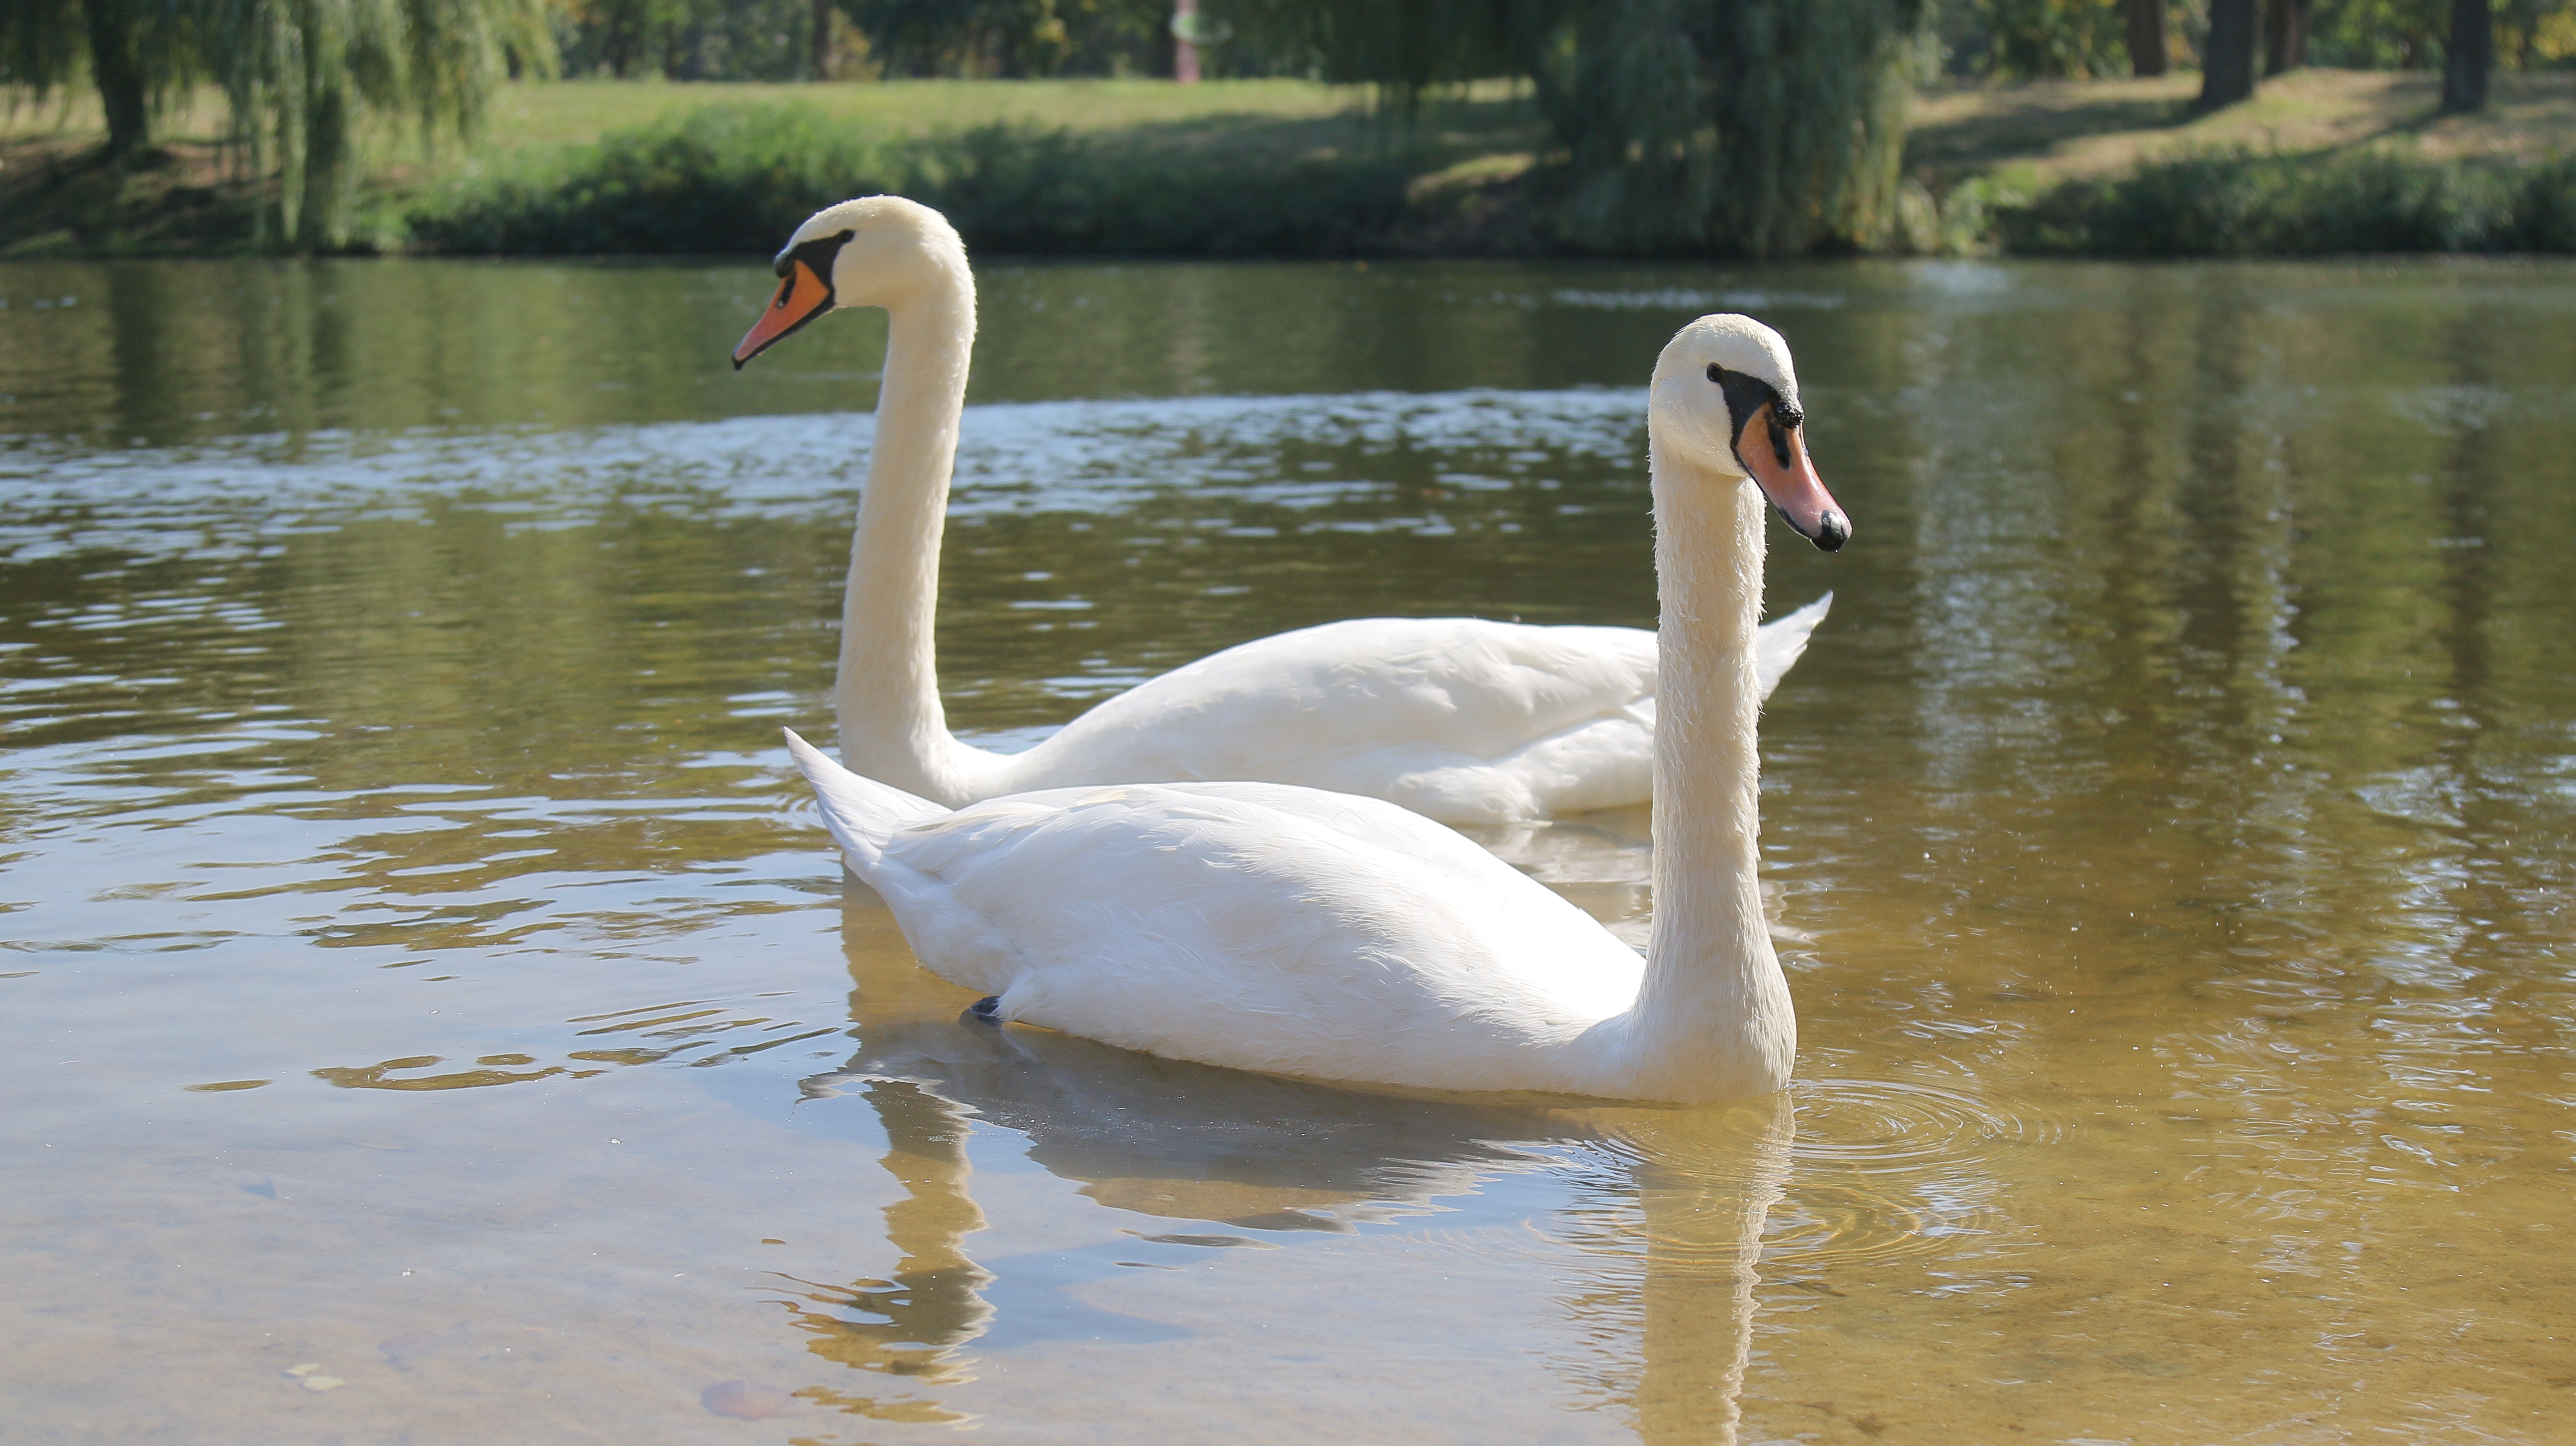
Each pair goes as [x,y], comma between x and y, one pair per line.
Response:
[425,979]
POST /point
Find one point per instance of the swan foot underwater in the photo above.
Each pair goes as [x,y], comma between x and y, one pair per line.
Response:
[1293,930]
[1460,719]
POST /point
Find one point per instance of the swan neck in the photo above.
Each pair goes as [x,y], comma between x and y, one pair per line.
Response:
[1713,1016]
[893,727]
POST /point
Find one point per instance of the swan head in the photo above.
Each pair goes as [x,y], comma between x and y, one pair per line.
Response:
[874,251]
[1725,397]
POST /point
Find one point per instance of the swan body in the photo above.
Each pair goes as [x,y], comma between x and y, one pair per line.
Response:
[1458,719]
[1461,719]
[1271,927]
[1301,902]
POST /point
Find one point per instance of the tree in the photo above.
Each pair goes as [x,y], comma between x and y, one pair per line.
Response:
[1759,126]
[1009,38]
[2227,60]
[137,52]
[303,75]
[2054,39]
[2285,35]
[2146,25]
[2468,58]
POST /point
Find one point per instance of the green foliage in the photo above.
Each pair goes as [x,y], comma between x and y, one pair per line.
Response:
[717,180]
[688,39]
[1007,38]
[1760,126]
[978,39]
[724,179]
[2244,204]
[139,53]
[1406,47]
[2060,38]
[41,45]
[2032,39]
[2379,34]
[1743,125]
[303,76]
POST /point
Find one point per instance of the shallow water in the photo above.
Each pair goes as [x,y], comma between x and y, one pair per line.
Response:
[423,974]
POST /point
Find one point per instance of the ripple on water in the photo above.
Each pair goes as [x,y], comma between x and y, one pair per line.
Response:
[1883,1170]
[1879,1126]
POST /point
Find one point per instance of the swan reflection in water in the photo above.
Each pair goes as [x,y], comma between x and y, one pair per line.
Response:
[1193,1143]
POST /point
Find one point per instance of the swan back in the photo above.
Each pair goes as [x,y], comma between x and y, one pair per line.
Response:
[1258,926]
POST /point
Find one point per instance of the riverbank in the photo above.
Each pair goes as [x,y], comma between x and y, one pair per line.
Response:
[2322,161]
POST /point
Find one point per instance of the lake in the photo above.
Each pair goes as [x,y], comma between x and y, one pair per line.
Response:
[431,1011]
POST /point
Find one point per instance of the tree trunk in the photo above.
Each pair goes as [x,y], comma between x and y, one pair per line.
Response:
[822,39]
[2285,35]
[2468,58]
[330,169]
[116,63]
[2227,60]
[2147,54]
[1185,50]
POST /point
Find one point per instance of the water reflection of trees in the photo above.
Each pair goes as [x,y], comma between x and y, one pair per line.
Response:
[1274,1156]
[2216,607]
[2239,727]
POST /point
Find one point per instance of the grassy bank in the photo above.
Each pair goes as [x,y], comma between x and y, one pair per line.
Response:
[1292,180]
[2244,204]
[1130,167]
[2322,162]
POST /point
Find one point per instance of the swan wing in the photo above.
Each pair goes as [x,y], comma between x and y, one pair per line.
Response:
[1459,719]
[1427,712]
[1260,927]
[1779,643]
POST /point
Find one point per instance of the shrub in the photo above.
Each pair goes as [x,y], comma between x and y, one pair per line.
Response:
[728,179]
[2243,204]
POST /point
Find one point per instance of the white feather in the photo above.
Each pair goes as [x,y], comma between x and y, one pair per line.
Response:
[1461,719]
[1270,927]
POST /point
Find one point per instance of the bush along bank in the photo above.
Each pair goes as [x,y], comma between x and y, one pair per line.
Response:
[2249,204]
[730,179]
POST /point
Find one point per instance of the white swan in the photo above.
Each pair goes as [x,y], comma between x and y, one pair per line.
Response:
[1462,720]
[1309,933]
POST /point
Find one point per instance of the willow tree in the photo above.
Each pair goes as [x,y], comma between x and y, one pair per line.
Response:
[308,79]
[1759,126]
[137,52]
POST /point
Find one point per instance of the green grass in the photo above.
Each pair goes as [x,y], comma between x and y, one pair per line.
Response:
[2248,204]
[2322,161]
[577,111]
[738,178]
[1135,167]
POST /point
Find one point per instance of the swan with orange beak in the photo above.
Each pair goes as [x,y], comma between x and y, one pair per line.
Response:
[1465,720]
[1749,366]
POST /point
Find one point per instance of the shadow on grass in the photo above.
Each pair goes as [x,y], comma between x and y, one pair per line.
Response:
[71,199]
[733,179]
[2030,125]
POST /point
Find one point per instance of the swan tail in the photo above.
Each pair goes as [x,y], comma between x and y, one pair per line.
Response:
[861,812]
[1783,640]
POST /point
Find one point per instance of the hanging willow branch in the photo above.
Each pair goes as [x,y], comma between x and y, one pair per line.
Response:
[304,76]
[139,53]
[1761,126]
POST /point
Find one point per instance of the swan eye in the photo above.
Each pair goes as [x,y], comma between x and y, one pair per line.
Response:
[816,254]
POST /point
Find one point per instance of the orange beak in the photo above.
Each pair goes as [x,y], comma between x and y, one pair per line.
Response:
[1777,458]
[802,296]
